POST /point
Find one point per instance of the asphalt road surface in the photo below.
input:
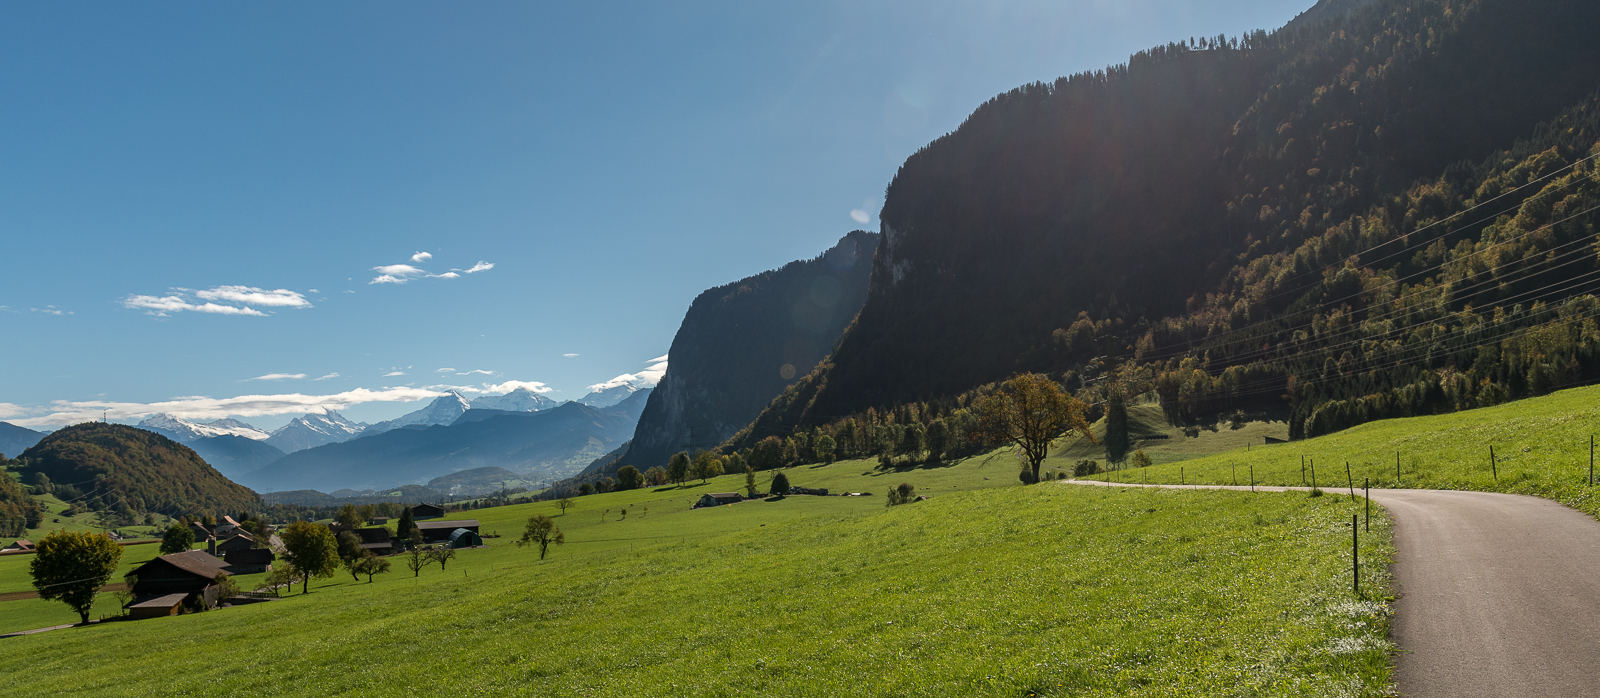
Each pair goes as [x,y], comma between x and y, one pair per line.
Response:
[1499,594]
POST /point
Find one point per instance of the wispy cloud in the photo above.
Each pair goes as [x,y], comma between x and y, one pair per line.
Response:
[476,370]
[406,273]
[63,412]
[648,378]
[480,266]
[444,370]
[8,410]
[394,373]
[860,216]
[508,386]
[248,295]
[48,310]
[421,257]
[218,300]
[323,378]
[163,306]
[569,356]
[278,377]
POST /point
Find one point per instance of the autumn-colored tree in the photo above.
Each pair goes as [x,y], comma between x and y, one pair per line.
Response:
[1030,410]
[177,539]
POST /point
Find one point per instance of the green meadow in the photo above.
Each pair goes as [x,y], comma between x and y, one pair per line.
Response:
[1541,448]
[987,588]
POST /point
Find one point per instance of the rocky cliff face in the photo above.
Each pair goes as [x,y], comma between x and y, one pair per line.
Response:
[741,344]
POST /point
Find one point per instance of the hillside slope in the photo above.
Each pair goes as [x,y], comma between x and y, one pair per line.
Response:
[123,468]
[15,439]
[740,344]
[1311,213]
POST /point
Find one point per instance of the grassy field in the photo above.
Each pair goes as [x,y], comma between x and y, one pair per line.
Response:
[1145,418]
[1541,448]
[1050,590]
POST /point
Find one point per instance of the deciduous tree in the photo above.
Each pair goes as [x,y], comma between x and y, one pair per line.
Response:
[370,565]
[1030,410]
[312,549]
[780,483]
[71,567]
[442,554]
[564,504]
[176,539]
[542,531]
[350,516]
[678,468]
[628,478]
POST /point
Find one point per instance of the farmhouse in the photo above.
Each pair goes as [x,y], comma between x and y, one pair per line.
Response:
[426,511]
[22,544]
[201,531]
[711,499]
[438,531]
[227,525]
[164,584]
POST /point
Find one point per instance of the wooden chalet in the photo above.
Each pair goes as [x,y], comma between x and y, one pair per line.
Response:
[426,511]
[22,545]
[164,584]
[439,531]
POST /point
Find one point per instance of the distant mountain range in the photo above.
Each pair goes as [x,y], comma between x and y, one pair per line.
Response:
[545,445]
[14,439]
[312,430]
[184,431]
[519,400]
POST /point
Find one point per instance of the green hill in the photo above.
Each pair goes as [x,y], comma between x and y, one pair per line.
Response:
[1541,448]
[117,468]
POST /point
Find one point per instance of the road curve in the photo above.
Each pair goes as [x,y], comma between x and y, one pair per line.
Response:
[1499,593]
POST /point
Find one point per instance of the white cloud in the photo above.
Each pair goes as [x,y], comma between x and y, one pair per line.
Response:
[658,359]
[648,378]
[331,375]
[65,412]
[421,257]
[161,306]
[313,291]
[653,374]
[48,310]
[619,381]
[569,356]
[480,266]
[476,370]
[8,410]
[444,370]
[278,377]
[860,216]
[394,373]
[249,295]
[508,386]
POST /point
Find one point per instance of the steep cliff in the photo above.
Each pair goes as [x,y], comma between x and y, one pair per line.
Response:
[741,344]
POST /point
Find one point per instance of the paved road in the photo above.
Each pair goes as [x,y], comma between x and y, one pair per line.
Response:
[1499,594]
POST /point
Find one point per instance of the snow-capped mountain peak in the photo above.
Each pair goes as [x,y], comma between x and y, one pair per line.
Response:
[519,400]
[443,410]
[184,430]
[312,430]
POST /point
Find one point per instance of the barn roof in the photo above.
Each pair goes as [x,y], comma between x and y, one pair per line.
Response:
[196,562]
[723,495]
[452,525]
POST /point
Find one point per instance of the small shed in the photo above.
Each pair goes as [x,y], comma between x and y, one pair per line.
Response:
[711,499]
[375,539]
[381,520]
[157,606]
[21,544]
[462,538]
[439,531]
[426,511]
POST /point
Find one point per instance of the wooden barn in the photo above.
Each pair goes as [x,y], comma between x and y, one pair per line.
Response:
[426,511]
[377,540]
[249,560]
[711,499]
[439,531]
[164,584]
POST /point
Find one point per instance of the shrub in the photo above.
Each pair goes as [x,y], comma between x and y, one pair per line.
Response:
[1086,467]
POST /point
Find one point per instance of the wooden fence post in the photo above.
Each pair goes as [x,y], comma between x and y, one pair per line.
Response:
[1352,480]
[1396,468]
[1591,460]
[1493,467]
[1355,556]
[1252,477]
[1366,492]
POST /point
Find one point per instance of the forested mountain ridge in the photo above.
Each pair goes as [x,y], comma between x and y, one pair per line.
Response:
[1195,211]
[741,343]
[128,470]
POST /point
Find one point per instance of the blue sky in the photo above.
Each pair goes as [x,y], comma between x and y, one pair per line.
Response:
[597,164]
